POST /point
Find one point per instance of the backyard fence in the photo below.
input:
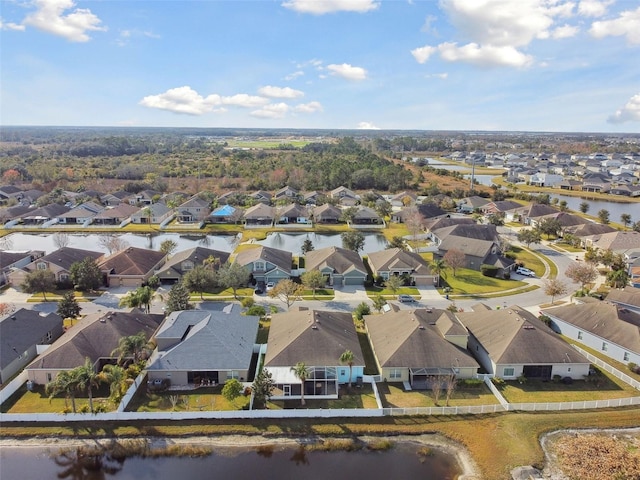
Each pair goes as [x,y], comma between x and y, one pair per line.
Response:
[605,366]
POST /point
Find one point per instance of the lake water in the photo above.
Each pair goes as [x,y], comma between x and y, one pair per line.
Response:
[226,243]
[401,462]
[615,209]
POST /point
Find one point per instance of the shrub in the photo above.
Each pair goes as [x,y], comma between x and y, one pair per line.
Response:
[361,310]
[522,379]
[256,310]
[471,383]
[556,378]
[488,270]
[247,302]
[497,381]
[633,367]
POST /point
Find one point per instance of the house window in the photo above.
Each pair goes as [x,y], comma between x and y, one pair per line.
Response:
[626,356]
[41,265]
[64,277]
[508,372]
[258,266]
[343,372]
[568,369]
[395,373]
[186,266]
[605,346]
[49,377]
[579,335]
[233,374]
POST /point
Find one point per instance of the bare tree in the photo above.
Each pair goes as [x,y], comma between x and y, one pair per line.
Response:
[450,384]
[414,221]
[436,388]
[554,287]
[582,273]
[113,243]
[454,259]
[61,239]
[287,291]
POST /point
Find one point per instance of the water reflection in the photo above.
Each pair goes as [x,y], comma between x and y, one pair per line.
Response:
[292,242]
[81,465]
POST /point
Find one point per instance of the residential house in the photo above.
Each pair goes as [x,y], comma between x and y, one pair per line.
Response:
[266,264]
[114,198]
[12,214]
[472,204]
[318,338]
[226,214]
[588,230]
[173,269]
[23,334]
[11,260]
[366,216]
[618,242]
[512,342]
[626,190]
[95,337]
[564,219]
[605,327]
[312,198]
[44,215]
[437,223]
[261,196]
[116,215]
[59,262]
[403,199]
[338,265]
[418,347]
[82,214]
[204,347]
[628,297]
[326,213]
[10,191]
[530,213]
[394,261]
[144,198]
[152,214]
[233,198]
[423,212]
[570,184]
[131,267]
[260,215]
[541,179]
[193,210]
[346,197]
[286,193]
[292,214]
[502,206]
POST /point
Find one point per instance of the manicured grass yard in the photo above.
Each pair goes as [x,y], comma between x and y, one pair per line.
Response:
[601,387]
[347,398]
[471,282]
[530,260]
[206,398]
[37,401]
[393,395]
[385,292]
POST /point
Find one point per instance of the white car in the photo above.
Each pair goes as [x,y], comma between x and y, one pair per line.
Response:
[525,271]
[270,285]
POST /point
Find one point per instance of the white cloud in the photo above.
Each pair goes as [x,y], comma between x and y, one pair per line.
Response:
[294,75]
[422,54]
[627,25]
[441,76]
[629,113]
[367,126]
[427,26]
[320,7]
[273,110]
[11,26]
[244,100]
[310,107]
[565,31]
[49,17]
[182,100]
[593,8]
[279,92]
[496,31]
[347,71]
[484,56]
[126,35]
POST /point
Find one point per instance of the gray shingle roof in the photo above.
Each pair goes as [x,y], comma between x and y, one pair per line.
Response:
[21,330]
[281,258]
[207,340]
[132,261]
[339,259]
[515,336]
[394,259]
[66,256]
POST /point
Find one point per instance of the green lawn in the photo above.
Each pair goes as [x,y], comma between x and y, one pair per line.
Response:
[385,292]
[37,401]
[205,398]
[601,387]
[347,398]
[471,282]
[530,260]
[393,395]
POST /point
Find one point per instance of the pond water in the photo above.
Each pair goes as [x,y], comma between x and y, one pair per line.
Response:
[401,462]
[226,243]
[292,242]
[615,209]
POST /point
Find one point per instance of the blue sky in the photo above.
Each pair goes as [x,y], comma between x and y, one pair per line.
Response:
[537,65]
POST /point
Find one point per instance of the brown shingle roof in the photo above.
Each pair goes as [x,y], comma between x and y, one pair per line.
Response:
[132,261]
[339,259]
[316,337]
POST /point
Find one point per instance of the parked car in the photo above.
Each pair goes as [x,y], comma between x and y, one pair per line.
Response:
[406,299]
[525,271]
[270,285]
[158,385]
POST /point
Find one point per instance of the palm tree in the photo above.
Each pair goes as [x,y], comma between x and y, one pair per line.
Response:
[140,297]
[88,379]
[302,373]
[347,357]
[134,346]
[65,382]
[117,379]
[438,266]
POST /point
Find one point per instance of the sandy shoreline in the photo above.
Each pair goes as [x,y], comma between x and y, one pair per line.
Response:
[468,466]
